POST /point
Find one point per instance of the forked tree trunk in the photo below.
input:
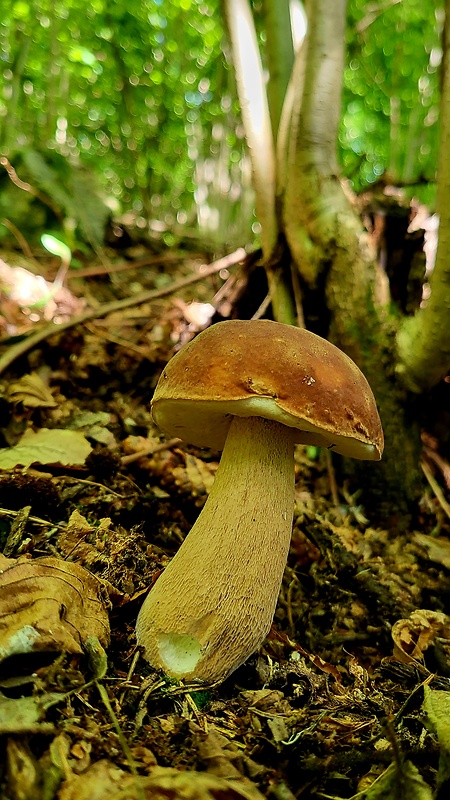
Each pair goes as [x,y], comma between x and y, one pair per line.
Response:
[328,243]
[331,249]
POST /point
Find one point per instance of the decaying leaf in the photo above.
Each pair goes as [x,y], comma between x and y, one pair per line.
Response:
[414,635]
[196,477]
[271,705]
[437,708]
[25,714]
[47,446]
[23,770]
[399,782]
[78,527]
[270,701]
[94,424]
[104,781]
[222,757]
[31,391]
[438,549]
[48,604]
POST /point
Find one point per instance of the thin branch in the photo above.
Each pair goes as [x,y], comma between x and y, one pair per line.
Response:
[149,451]
[439,494]
[20,238]
[97,271]
[27,187]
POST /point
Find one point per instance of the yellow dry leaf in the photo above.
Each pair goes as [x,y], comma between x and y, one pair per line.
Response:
[47,446]
[414,635]
[438,549]
[31,391]
[105,781]
[196,477]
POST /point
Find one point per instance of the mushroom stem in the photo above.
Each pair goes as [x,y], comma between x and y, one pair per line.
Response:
[213,606]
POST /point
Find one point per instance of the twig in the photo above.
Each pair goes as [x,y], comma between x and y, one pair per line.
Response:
[130,675]
[332,479]
[440,462]
[439,494]
[148,451]
[133,348]
[52,328]
[6,512]
[263,307]
[20,238]
[93,272]
[92,483]
[123,742]
[26,187]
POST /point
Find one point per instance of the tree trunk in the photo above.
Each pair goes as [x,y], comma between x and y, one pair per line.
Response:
[280,56]
[331,248]
[334,257]
[260,141]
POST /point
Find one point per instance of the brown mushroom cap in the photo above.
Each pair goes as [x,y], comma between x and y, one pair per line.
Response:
[267,369]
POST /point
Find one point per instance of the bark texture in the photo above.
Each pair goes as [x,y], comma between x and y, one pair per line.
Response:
[312,194]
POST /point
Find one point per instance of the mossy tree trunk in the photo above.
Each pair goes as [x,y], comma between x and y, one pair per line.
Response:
[329,245]
[334,256]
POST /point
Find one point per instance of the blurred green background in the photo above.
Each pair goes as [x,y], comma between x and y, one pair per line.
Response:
[142,95]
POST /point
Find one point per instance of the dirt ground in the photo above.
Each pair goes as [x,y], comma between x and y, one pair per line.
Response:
[344,697]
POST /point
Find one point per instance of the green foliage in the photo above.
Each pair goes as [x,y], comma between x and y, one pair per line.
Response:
[391,91]
[71,191]
[400,781]
[139,92]
[143,94]
[437,708]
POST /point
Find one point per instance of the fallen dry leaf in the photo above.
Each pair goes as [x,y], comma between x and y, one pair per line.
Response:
[104,781]
[397,782]
[413,636]
[196,477]
[31,391]
[438,549]
[48,604]
[268,700]
[27,714]
[47,446]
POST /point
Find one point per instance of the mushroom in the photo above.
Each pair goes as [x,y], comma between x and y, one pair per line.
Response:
[251,389]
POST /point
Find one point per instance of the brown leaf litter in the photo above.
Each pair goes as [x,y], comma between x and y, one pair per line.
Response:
[321,710]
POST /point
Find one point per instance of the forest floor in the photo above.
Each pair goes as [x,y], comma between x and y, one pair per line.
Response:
[341,700]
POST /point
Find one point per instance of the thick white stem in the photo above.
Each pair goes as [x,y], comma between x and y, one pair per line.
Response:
[213,605]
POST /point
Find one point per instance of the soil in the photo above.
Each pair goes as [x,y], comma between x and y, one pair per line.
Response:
[331,706]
